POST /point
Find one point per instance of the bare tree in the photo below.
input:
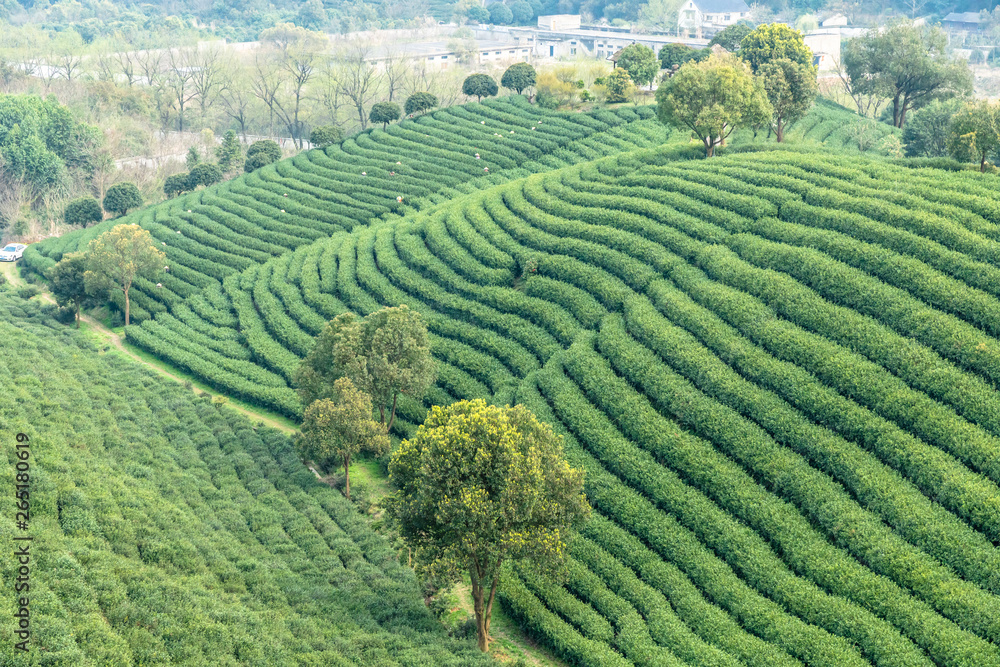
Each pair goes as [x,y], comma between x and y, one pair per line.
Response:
[69,65]
[149,64]
[180,81]
[327,90]
[265,82]
[394,70]
[127,66]
[867,99]
[14,195]
[237,100]
[358,78]
[208,77]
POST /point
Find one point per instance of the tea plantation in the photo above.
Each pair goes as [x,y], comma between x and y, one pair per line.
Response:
[778,368]
[168,532]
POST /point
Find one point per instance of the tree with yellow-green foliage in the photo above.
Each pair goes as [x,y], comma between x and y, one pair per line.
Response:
[975,132]
[481,485]
[340,427]
[117,257]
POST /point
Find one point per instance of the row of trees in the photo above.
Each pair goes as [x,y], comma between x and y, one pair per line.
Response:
[770,82]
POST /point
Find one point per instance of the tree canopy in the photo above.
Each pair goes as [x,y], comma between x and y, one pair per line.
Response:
[773,41]
[480,485]
[791,90]
[340,427]
[260,153]
[678,54]
[926,133]
[712,98]
[420,102]
[204,174]
[480,85]
[975,132]
[640,62]
[384,112]
[67,284]
[519,77]
[906,63]
[731,37]
[500,14]
[117,257]
[175,184]
[121,197]
[619,85]
[83,211]
[385,354]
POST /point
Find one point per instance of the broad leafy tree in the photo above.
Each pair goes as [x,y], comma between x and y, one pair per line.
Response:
[713,98]
[619,85]
[774,41]
[519,77]
[480,85]
[385,354]
[907,63]
[67,283]
[260,153]
[117,257]
[500,14]
[482,485]
[384,112]
[419,103]
[83,211]
[521,12]
[340,427]
[678,54]
[640,62]
[175,184]
[732,36]
[975,132]
[791,90]
[927,131]
[204,174]
[121,197]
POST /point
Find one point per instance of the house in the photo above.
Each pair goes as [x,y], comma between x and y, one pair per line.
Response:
[704,18]
[961,23]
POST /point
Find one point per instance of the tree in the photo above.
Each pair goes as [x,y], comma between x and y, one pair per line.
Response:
[384,112]
[83,211]
[419,103]
[478,14]
[518,77]
[713,98]
[117,257]
[731,37]
[909,63]
[121,197]
[773,41]
[619,85]
[67,283]
[791,90]
[926,133]
[342,427]
[385,354]
[500,14]
[479,486]
[261,153]
[325,135]
[480,85]
[975,132]
[521,12]
[311,15]
[678,54]
[176,184]
[229,153]
[204,174]
[640,62]
[358,76]
[283,68]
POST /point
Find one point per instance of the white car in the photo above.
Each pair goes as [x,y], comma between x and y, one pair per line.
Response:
[12,252]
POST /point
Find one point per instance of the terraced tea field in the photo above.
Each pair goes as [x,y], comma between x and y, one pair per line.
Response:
[777,367]
[216,232]
[166,531]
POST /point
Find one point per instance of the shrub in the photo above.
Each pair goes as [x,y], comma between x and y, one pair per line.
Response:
[83,211]
[121,197]
[419,103]
[325,135]
[204,174]
[261,153]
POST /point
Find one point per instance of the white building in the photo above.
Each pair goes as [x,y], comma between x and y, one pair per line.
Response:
[704,18]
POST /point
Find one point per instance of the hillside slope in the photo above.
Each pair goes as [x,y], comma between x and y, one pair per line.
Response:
[778,368]
[169,532]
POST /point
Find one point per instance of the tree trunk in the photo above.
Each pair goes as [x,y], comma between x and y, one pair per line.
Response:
[126,306]
[779,131]
[77,315]
[483,608]
[709,146]
[982,164]
[347,476]
[392,415]
[381,413]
